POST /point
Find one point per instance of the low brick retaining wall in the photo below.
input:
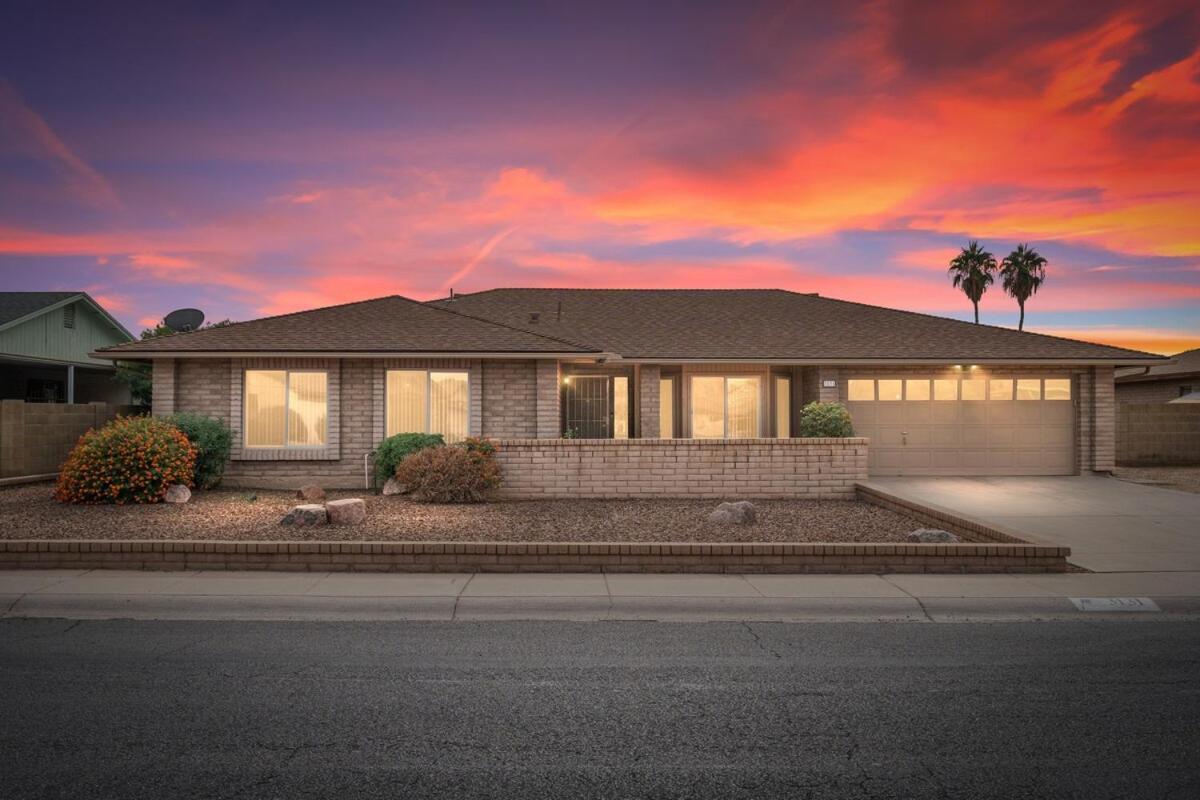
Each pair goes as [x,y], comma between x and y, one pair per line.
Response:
[1162,434]
[530,557]
[935,517]
[706,468]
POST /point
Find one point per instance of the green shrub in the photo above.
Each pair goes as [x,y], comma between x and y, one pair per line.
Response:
[129,460]
[477,444]
[212,441]
[394,449]
[449,475]
[825,420]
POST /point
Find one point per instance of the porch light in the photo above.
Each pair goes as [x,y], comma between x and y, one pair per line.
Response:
[567,381]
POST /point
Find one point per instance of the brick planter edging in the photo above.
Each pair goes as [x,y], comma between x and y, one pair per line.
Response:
[936,516]
[531,557]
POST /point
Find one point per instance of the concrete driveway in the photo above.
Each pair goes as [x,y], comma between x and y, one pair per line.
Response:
[1110,525]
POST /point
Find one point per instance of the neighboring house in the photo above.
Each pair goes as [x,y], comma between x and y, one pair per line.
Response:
[1161,384]
[309,395]
[45,339]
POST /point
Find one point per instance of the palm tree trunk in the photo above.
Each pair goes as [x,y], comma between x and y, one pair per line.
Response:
[976,304]
[1021,324]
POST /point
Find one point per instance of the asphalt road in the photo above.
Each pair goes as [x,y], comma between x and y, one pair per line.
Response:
[158,710]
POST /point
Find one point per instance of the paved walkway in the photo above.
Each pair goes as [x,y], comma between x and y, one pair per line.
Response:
[341,596]
[1110,525]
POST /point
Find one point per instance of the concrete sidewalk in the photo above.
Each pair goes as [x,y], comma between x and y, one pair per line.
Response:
[341,596]
[1110,525]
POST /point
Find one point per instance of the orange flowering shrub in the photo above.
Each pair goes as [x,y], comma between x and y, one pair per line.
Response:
[129,460]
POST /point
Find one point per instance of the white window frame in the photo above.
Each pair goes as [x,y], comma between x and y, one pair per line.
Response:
[287,385]
[428,397]
[763,408]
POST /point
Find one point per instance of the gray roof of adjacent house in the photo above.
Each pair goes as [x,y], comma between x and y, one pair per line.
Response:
[1185,365]
[390,324]
[740,324]
[17,307]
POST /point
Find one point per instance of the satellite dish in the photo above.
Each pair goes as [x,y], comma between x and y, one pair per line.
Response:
[184,319]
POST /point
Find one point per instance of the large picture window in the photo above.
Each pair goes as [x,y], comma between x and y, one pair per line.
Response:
[427,401]
[725,407]
[286,408]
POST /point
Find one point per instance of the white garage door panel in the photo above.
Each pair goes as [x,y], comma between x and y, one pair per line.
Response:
[967,437]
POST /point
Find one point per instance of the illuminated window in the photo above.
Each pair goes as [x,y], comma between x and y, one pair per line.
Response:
[916,389]
[945,389]
[860,389]
[1000,389]
[725,407]
[620,407]
[974,389]
[421,401]
[666,408]
[783,407]
[890,389]
[285,408]
[1029,389]
[1058,389]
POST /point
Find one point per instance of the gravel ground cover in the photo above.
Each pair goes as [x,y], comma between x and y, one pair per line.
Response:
[29,512]
[1185,479]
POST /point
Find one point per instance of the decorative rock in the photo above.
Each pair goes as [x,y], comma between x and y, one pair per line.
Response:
[931,536]
[177,493]
[350,511]
[740,513]
[311,493]
[392,487]
[304,516]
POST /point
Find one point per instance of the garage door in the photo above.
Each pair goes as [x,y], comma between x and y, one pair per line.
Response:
[965,426]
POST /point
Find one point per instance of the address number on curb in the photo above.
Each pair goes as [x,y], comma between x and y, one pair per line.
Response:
[1115,604]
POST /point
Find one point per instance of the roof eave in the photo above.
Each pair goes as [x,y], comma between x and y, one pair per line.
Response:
[141,355]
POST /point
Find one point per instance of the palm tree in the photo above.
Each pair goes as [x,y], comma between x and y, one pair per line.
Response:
[973,270]
[1023,273]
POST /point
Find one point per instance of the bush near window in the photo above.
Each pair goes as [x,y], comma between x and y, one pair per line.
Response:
[212,440]
[449,474]
[129,460]
[825,420]
[477,444]
[394,449]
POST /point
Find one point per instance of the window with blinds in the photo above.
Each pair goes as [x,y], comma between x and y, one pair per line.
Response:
[427,401]
[285,408]
[725,407]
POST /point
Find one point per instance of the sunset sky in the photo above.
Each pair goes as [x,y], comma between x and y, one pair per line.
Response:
[252,162]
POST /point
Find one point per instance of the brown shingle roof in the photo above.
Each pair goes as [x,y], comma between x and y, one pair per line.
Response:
[1186,363]
[388,324]
[763,323]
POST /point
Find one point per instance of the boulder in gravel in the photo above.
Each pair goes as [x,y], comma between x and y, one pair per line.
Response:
[931,536]
[740,513]
[311,493]
[350,511]
[392,487]
[177,493]
[306,515]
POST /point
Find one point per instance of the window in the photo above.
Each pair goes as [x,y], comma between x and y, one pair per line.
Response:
[783,407]
[1000,389]
[285,408]
[1058,389]
[1029,389]
[890,389]
[945,389]
[860,389]
[974,389]
[421,401]
[666,408]
[916,389]
[620,407]
[725,408]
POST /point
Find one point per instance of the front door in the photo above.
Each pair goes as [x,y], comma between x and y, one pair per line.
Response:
[588,407]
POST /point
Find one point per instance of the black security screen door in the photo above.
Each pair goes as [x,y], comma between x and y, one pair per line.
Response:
[588,407]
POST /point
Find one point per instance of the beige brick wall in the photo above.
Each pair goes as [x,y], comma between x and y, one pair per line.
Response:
[1155,391]
[549,397]
[510,399]
[35,438]
[648,401]
[1104,429]
[1157,434]
[731,469]
[162,384]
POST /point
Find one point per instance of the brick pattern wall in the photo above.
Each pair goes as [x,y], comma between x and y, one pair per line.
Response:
[162,384]
[510,399]
[1104,429]
[731,469]
[1157,434]
[648,391]
[35,438]
[549,400]
[1155,391]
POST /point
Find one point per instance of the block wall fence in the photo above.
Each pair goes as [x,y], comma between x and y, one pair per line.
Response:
[1158,434]
[35,438]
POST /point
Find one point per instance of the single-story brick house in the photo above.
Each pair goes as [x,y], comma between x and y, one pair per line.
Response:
[1163,383]
[644,392]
